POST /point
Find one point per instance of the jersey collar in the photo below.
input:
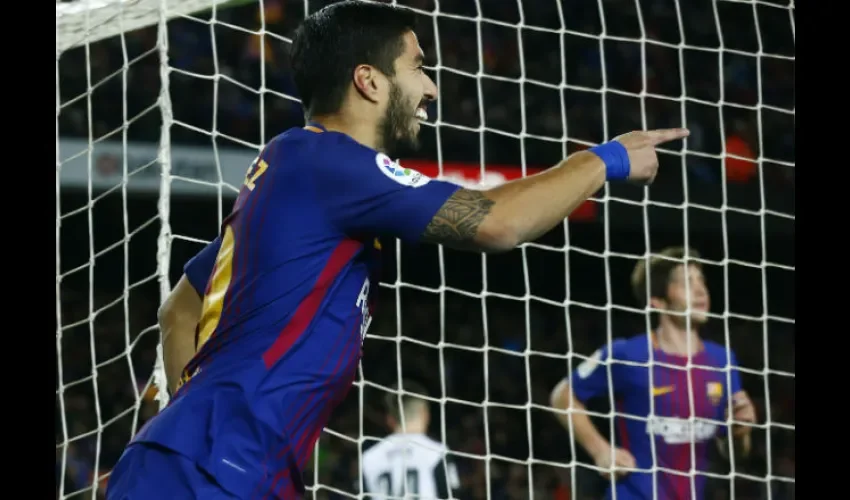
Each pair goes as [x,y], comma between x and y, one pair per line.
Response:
[315,127]
[653,337]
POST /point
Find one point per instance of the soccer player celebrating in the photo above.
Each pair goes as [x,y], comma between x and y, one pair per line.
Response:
[289,293]
[666,410]
[407,462]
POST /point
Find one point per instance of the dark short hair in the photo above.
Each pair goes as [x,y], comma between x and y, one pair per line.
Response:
[333,41]
[661,267]
[412,392]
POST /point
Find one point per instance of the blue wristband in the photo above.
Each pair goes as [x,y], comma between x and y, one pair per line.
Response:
[616,158]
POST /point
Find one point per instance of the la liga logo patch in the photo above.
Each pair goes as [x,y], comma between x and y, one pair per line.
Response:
[399,174]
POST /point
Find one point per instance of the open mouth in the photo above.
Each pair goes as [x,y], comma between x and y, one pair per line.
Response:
[421,114]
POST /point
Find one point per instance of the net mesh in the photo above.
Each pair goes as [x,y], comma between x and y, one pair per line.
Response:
[161,106]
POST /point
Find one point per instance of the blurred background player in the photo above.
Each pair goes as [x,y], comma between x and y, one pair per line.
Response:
[659,386]
[291,290]
[407,463]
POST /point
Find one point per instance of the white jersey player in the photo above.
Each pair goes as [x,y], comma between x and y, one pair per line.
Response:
[408,464]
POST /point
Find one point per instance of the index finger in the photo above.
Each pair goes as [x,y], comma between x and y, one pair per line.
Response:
[661,136]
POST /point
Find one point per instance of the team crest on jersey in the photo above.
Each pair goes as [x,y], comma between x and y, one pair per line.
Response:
[714,390]
[404,176]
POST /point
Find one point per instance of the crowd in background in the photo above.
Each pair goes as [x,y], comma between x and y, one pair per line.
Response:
[532,80]
[493,75]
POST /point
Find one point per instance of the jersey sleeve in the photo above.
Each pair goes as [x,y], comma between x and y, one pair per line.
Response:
[591,377]
[200,267]
[447,479]
[365,192]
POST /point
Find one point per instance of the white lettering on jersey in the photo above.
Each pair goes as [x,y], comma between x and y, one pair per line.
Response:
[365,313]
[404,176]
[589,365]
[678,430]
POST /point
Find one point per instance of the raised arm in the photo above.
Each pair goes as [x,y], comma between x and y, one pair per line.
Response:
[366,193]
[501,218]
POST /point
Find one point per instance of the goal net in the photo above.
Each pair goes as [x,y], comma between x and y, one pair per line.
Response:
[162,104]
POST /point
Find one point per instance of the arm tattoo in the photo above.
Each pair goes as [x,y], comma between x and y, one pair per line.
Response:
[457,221]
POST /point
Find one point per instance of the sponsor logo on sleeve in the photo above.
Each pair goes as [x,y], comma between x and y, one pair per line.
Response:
[401,175]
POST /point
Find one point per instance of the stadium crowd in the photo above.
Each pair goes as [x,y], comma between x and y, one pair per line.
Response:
[730,96]
[751,101]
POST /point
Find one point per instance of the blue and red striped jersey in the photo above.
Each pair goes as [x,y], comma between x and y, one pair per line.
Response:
[667,414]
[289,289]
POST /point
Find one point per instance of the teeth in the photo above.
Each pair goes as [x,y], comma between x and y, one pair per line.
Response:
[421,114]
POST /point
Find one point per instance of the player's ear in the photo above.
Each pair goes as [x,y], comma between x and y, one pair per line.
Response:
[658,304]
[367,82]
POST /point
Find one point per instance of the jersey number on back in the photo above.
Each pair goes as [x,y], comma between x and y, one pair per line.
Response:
[411,479]
[254,172]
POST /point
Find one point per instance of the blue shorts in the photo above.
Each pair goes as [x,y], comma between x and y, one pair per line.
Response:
[146,471]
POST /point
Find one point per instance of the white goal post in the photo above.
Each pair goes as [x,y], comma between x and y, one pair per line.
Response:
[162,104]
[87,21]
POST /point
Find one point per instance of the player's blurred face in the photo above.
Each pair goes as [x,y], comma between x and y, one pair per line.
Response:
[410,91]
[687,288]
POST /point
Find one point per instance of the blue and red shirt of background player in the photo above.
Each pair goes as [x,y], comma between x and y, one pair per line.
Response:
[667,413]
